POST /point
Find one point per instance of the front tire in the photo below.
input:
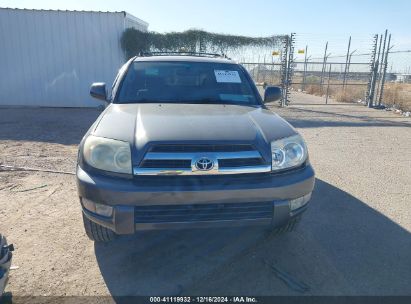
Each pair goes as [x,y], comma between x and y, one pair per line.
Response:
[96,232]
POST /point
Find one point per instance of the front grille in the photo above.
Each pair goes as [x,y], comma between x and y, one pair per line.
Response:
[240,162]
[166,163]
[202,148]
[203,212]
[186,164]
[182,159]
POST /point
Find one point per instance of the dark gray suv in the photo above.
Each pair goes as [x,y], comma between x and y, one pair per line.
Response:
[186,141]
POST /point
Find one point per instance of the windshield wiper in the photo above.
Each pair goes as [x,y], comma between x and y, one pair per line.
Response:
[149,101]
[205,100]
[219,101]
[191,101]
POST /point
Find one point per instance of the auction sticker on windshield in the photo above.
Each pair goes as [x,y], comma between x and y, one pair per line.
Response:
[227,76]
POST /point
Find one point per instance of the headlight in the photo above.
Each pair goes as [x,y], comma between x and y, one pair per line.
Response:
[288,152]
[107,154]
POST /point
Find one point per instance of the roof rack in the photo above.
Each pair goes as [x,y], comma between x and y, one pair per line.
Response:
[182,53]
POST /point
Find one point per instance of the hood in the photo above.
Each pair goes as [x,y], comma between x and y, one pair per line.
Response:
[140,124]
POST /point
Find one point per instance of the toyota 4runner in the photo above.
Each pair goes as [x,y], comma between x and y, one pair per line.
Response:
[186,141]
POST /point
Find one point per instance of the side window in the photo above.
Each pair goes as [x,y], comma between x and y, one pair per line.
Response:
[120,73]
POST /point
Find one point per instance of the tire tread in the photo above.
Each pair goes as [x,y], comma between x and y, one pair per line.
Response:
[96,232]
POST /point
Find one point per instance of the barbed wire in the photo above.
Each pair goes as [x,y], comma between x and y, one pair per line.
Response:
[363,54]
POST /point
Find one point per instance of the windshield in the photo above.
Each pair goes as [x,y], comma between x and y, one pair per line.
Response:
[186,82]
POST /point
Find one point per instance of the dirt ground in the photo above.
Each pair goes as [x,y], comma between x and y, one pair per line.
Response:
[355,239]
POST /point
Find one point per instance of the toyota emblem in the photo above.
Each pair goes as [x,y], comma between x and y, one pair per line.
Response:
[204,164]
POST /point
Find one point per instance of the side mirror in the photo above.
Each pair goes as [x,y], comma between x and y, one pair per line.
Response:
[272,94]
[98,90]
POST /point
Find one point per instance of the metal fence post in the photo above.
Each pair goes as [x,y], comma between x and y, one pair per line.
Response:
[272,71]
[305,69]
[370,90]
[264,70]
[349,64]
[328,84]
[290,65]
[287,60]
[284,71]
[346,63]
[374,82]
[323,67]
[254,68]
[281,68]
[384,72]
[381,65]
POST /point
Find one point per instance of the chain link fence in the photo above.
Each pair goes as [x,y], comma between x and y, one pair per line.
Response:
[264,72]
[364,69]
[337,69]
[397,91]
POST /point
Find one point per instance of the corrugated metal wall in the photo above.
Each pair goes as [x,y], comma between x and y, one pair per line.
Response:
[50,58]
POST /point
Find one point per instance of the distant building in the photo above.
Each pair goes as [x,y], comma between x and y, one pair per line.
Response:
[50,58]
[403,78]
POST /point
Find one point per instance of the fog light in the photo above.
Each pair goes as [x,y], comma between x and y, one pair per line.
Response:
[299,202]
[89,205]
[100,209]
[104,210]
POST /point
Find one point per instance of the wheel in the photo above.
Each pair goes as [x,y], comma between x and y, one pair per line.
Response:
[97,232]
[287,227]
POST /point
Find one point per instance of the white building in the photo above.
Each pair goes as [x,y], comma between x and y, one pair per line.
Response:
[50,58]
[403,78]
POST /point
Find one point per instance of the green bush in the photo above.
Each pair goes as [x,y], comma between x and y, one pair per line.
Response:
[134,42]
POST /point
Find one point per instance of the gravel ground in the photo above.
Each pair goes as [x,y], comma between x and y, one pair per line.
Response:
[354,239]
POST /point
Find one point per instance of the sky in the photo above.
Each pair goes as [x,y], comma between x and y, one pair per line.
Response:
[314,21]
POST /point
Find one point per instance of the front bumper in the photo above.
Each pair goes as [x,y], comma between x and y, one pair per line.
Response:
[128,196]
